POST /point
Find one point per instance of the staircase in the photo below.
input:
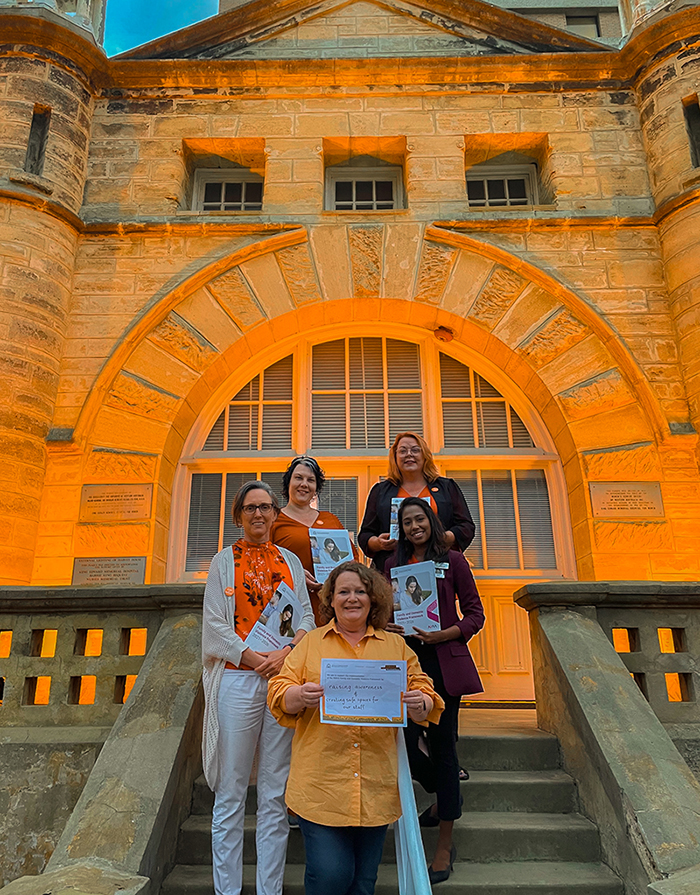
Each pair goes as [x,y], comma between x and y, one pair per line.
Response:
[519,831]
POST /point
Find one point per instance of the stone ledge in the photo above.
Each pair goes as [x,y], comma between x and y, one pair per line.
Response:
[34,181]
[100,599]
[645,594]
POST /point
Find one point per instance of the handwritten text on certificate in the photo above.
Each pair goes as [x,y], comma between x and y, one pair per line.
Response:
[363,692]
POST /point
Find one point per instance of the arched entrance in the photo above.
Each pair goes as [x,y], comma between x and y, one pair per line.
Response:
[342,393]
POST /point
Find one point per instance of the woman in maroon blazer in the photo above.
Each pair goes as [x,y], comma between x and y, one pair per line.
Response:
[445,656]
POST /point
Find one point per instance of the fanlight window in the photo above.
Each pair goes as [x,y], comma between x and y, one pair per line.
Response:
[359,393]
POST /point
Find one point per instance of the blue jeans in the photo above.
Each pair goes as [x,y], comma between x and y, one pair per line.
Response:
[341,860]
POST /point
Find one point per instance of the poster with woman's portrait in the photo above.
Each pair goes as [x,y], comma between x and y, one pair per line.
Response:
[415,597]
[329,547]
[278,622]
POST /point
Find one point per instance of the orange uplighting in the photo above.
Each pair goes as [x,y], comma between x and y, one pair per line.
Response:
[137,642]
[673,688]
[48,648]
[621,640]
[93,642]
[5,644]
[88,685]
[43,687]
[129,681]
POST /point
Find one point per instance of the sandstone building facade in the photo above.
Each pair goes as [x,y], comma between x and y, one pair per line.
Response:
[303,227]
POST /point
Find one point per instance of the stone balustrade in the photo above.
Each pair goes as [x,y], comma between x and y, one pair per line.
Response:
[615,666]
[70,656]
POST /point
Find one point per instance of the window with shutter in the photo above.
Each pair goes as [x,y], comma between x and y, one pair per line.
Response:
[360,391]
[474,413]
[364,391]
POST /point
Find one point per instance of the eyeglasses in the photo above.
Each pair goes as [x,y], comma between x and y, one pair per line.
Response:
[405,452]
[252,508]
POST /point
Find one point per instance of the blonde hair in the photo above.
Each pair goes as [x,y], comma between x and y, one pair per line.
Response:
[381,600]
[430,470]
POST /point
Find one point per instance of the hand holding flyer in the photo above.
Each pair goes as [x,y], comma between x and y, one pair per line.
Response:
[415,597]
[278,623]
[328,550]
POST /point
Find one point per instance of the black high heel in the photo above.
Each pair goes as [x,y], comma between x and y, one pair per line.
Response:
[441,876]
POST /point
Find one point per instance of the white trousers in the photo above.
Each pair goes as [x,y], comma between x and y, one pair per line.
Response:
[245,722]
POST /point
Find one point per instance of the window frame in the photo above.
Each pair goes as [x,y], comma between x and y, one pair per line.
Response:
[370,465]
[581,16]
[503,172]
[203,176]
[348,173]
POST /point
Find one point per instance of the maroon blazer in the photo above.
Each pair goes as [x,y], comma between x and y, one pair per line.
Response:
[458,669]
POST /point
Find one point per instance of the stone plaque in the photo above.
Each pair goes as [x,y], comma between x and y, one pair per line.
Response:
[115,503]
[104,570]
[618,500]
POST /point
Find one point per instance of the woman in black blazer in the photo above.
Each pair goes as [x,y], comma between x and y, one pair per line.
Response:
[412,473]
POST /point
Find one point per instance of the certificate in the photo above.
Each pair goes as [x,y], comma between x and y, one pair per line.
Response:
[363,692]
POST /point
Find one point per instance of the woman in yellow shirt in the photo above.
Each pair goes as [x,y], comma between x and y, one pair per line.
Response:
[343,781]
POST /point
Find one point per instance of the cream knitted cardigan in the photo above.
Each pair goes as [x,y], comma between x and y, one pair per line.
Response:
[221,644]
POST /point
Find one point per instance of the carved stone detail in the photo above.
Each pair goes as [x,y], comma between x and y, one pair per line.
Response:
[136,395]
[127,539]
[119,466]
[436,265]
[496,296]
[366,251]
[556,335]
[299,272]
[179,338]
[625,464]
[604,392]
[234,294]
[633,537]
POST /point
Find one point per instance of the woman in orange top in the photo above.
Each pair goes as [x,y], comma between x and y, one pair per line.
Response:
[343,781]
[301,483]
[241,583]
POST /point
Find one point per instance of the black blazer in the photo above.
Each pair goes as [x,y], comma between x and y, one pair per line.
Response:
[452,511]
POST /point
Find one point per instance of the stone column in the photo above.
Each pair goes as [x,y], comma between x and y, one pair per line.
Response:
[675,182]
[46,110]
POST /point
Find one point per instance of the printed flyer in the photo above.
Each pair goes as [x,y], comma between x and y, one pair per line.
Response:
[329,547]
[415,597]
[278,623]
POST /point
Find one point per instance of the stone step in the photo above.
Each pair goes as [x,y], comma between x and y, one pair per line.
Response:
[530,750]
[535,791]
[526,750]
[478,836]
[521,878]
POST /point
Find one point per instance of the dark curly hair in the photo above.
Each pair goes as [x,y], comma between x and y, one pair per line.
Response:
[378,588]
[312,464]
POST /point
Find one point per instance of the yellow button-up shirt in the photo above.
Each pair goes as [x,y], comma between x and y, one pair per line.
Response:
[343,776]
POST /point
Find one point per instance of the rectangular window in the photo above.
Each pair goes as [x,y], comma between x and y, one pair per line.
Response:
[38,138]
[692,122]
[502,187]
[363,189]
[227,190]
[585,26]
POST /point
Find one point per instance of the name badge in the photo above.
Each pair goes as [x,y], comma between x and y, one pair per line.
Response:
[439,573]
[442,565]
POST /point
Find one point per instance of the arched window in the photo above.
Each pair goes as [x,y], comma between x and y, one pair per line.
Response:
[344,400]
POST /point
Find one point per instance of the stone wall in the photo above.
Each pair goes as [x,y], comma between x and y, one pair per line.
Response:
[42,780]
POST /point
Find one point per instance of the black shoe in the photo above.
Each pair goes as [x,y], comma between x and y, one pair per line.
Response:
[463,775]
[428,819]
[441,876]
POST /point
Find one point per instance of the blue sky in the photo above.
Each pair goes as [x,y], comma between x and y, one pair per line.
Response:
[133,22]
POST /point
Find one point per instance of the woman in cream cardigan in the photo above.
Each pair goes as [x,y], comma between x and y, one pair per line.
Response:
[242,579]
